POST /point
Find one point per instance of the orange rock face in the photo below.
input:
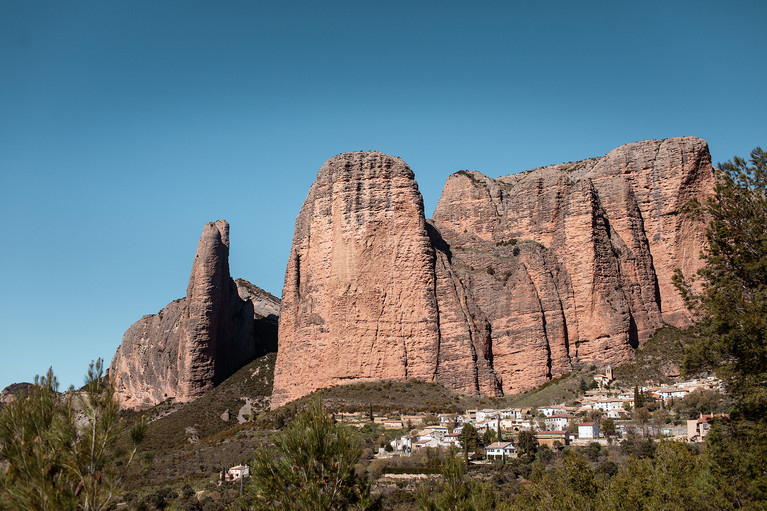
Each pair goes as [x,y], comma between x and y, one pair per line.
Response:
[198,341]
[514,281]
[360,283]
[582,252]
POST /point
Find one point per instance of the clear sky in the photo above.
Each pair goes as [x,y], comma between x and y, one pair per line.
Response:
[126,125]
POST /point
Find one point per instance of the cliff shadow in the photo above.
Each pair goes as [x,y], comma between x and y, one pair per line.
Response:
[438,242]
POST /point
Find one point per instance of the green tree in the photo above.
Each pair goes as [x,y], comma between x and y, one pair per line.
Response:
[732,308]
[570,485]
[737,461]
[642,416]
[456,493]
[527,443]
[638,398]
[34,479]
[62,451]
[469,439]
[488,437]
[608,427]
[675,479]
[310,468]
[733,302]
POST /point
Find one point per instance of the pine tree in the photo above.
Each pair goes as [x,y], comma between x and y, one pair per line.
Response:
[456,492]
[62,450]
[733,303]
[527,443]
[311,467]
[732,309]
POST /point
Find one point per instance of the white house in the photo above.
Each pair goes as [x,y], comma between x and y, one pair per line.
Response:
[452,440]
[548,411]
[492,424]
[588,430]
[510,413]
[668,393]
[237,473]
[486,415]
[404,443]
[426,441]
[609,404]
[558,421]
[500,450]
[446,419]
[437,432]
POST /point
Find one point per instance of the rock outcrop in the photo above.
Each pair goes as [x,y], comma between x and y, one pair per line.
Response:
[515,280]
[588,247]
[196,342]
[360,285]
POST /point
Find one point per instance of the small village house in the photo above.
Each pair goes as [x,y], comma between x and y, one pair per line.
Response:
[588,430]
[550,438]
[548,411]
[500,451]
[237,473]
[697,429]
[558,421]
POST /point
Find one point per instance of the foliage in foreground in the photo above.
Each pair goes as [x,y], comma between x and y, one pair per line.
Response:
[456,492]
[61,451]
[676,478]
[312,467]
[733,304]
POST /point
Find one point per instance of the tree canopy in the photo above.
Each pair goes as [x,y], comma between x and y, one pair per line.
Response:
[62,450]
[310,468]
[733,302]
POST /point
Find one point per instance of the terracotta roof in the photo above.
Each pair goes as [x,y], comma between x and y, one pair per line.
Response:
[499,445]
[706,418]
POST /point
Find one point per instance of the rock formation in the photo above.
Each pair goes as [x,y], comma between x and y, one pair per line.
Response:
[515,280]
[359,285]
[589,247]
[196,342]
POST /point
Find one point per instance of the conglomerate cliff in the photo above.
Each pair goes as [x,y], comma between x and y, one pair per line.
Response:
[515,280]
[198,341]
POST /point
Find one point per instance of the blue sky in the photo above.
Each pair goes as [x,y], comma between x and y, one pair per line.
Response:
[125,126]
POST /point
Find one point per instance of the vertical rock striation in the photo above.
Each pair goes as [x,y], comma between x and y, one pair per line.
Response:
[514,281]
[611,232]
[360,283]
[198,341]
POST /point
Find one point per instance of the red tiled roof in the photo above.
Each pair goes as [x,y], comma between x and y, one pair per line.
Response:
[706,418]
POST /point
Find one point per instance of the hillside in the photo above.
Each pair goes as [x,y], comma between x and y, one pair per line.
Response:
[242,396]
[659,360]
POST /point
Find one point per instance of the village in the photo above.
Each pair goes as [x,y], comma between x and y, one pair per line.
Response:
[604,415]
